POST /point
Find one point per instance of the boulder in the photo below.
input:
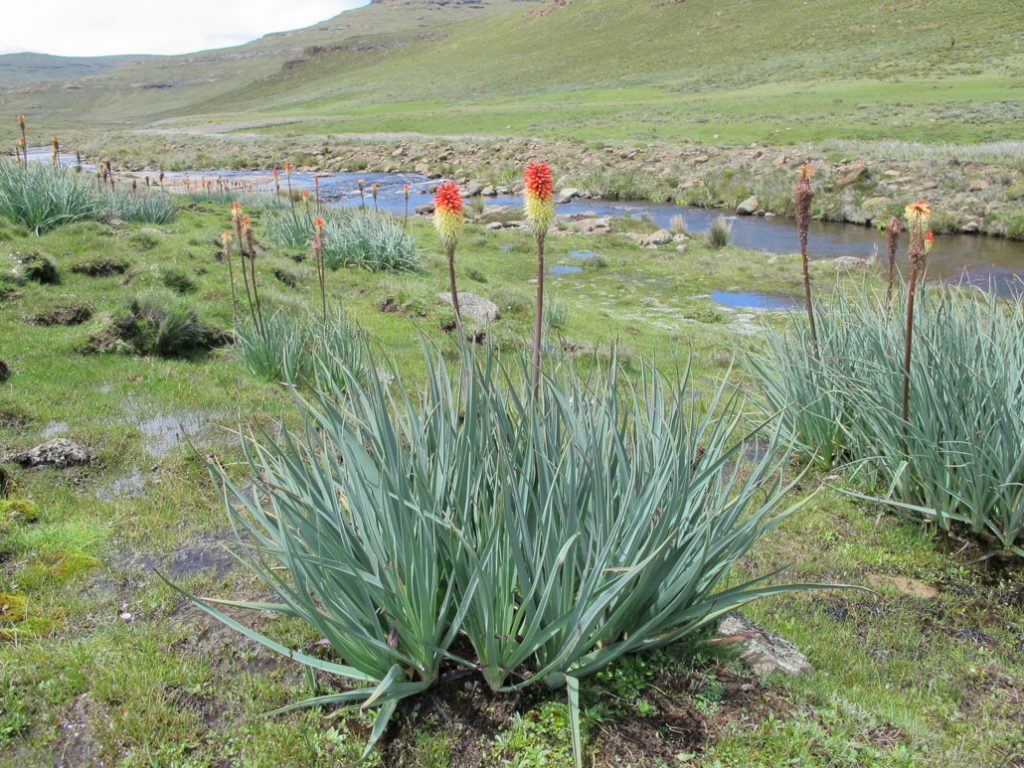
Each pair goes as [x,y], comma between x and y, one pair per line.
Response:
[749,206]
[763,652]
[56,453]
[425,210]
[489,191]
[473,307]
[849,262]
[570,192]
[850,174]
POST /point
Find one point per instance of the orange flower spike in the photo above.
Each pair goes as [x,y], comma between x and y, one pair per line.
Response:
[929,241]
[539,202]
[448,214]
[918,213]
[236,210]
[405,191]
[21,123]
[287,167]
[225,238]
[305,194]
[273,173]
[318,223]
[245,220]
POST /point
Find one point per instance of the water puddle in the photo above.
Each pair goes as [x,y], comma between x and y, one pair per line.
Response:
[583,254]
[129,486]
[166,431]
[763,300]
[55,428]
[564,269]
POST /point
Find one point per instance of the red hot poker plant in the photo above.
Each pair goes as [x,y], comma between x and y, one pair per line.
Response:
[892,234]
[921,238]
[318,253]
[539,207]
[448,223]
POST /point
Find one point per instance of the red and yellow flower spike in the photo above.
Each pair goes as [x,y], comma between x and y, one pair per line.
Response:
[236,211]
[918,213]
[448,214]
[287,167]
[929,241]
[539,198]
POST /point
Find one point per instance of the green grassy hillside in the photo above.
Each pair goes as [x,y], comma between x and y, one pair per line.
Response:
[18,68]
[704,70]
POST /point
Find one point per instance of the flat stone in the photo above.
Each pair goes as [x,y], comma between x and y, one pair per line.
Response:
[58,453]
[763,652]
[473,307]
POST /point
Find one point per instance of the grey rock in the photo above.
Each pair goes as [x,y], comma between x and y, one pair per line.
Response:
[489,191]
[850,174]
[763,652]
[58,453]
[849,262]
[425,210]
[473,307]
[749,206]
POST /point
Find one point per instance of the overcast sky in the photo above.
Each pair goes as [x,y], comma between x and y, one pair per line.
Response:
[103,27]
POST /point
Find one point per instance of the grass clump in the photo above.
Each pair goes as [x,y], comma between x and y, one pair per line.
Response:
[719,233]
[177,280]
[550,536]
[286,347]
[100,267]
[363,238]
[37,267]
[158,322]
[142,207]
[953,460]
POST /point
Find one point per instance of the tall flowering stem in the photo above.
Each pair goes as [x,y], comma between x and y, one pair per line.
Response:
[277,181]
[803,197]
[288,176]
[448,223]
[225,241]
[241,222]
[405,194]
[24,138]
[318,254]
[921,238]
[361,183]
[539,208]
[316,192]
[373,194]
[55,151]
[892,236]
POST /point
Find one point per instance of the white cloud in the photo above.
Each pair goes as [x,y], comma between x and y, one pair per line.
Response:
[104,27]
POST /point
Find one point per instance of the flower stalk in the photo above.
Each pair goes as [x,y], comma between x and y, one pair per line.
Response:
[892,234]
[539,208]
[803,196]
[24,139]
[225,241]
[318,255]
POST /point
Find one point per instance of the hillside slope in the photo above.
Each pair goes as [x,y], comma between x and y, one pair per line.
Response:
[707,70]
[19,68]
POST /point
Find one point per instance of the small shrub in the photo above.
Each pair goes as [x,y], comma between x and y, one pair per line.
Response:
[177,280]
[476,275]
[287,277]
[513,302]
[37,267]
[719,233]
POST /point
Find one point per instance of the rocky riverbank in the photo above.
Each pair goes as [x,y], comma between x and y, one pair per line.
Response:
[972,189]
